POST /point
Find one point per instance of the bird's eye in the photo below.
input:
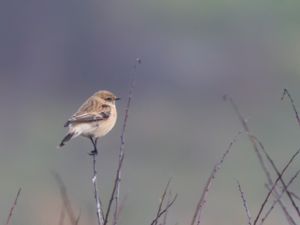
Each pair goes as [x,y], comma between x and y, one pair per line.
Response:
[109,99]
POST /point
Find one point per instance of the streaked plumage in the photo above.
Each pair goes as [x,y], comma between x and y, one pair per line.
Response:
[94,119]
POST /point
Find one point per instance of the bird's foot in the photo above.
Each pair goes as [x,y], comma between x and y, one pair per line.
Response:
[94,152]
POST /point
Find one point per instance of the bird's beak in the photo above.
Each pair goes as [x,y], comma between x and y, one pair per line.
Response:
[117,98]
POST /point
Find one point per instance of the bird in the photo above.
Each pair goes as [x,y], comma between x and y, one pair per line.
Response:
[94,119]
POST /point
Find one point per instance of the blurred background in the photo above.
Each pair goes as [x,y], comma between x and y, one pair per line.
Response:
[56,53]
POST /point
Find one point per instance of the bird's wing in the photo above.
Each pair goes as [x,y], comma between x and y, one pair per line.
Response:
[92,110]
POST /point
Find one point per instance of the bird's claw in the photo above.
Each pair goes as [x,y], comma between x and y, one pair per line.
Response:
[94,152]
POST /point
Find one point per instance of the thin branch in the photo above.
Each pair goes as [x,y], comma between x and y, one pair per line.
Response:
[244,203]
[247,130]
[275,183]
[100,219]
[13,207]
[162,199]
[112,196]
[278,173]
[121,152]
[259,156]
[115,195]
[65,199]
[165,210]
[287,93]
[278,198]
[216,168]
[164,222]
[295,196]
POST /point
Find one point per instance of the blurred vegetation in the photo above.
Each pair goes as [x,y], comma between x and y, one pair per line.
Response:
[56,53]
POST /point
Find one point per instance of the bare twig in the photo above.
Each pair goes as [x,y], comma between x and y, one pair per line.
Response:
[295,196]
[202,200]
[121,152]
[162,199]
[163,211]
[275,183]
[115,195]
[259,156]
[278,173]
[164,222]
[100,219]
[13,207]
[278,198]
[112,196]
[244,203]
[65,199]
[247,130]
[287,93]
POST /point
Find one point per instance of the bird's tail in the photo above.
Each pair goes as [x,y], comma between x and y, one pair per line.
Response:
[67,138]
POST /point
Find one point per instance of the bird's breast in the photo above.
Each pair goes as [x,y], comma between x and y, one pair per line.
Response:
[95,129]
[103,127]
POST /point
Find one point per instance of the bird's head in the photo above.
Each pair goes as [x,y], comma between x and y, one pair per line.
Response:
[107,96]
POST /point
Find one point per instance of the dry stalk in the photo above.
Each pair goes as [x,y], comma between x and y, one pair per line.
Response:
[244,203]
[287,93]
[278,198]
[274,185]
[12,209]
[259,156]
[295,196]
[115,195]
[277,172]
[164,222]
[100,219]
[163,211]
[202,200]
[162,199]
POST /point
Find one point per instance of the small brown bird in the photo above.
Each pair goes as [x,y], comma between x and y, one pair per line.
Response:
[94,119]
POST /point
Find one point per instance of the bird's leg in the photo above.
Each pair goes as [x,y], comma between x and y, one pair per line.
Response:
[95,151]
